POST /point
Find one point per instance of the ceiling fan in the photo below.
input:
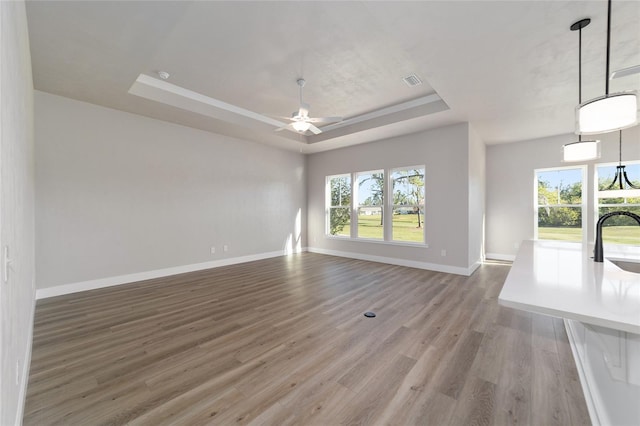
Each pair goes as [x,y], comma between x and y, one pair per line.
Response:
[300,120]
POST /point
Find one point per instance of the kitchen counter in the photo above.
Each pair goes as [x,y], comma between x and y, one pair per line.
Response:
[560,279]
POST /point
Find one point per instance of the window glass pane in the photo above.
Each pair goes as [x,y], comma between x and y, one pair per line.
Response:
[408,201]
[607,175]
[620,229]
[560,223]
[370,222]
[340,221]
[408,224]
[340,187]
[559,196]
[559,187]
[370,204]
[339,209]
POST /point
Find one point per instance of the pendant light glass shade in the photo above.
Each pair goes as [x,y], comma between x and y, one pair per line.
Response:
[581,151]
[607,113]
[301,126]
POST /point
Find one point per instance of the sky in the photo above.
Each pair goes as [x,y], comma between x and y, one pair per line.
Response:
[569,176]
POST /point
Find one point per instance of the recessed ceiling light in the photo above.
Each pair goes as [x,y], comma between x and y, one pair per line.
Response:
[412,80]
[163,75]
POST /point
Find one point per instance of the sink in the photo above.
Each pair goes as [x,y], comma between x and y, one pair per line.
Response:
[627,265]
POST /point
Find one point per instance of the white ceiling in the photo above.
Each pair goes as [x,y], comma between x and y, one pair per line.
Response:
[507,67]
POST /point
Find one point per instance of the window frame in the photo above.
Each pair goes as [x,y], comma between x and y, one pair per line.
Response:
[329,206]
[583,202]
[612,193]
[386,206]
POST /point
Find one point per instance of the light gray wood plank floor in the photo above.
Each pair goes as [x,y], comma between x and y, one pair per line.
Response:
[284,341]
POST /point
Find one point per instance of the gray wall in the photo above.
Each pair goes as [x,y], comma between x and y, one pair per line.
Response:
[510,183]
[118,194]
[445,153]
[16,208]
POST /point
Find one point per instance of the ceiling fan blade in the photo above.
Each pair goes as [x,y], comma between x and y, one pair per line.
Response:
[287,127]
[279,117]
[315,130]
[625,72]
[325,119]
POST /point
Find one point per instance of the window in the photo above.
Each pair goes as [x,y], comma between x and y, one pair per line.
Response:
[358,205]
[559,207]
[407,188]
[619,229]
[370,192]
[339,205]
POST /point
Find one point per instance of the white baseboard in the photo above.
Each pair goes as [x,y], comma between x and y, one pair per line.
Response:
[400,262]
[43,293]
[60,290]
[497,256]
[593,406]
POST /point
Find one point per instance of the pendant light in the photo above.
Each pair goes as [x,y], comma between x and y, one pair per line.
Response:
[621,174]
[580,150]
[610,112]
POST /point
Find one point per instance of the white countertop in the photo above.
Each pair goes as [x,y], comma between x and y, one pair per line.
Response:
[561,279]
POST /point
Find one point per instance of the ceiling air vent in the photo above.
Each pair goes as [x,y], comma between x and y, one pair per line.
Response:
[412,80]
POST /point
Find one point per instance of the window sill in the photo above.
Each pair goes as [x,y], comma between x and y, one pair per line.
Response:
[367,240]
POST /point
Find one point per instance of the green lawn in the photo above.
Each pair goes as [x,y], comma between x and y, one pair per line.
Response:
[405,227]
[610,234]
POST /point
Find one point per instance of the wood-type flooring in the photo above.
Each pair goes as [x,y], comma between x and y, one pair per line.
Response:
[284,341]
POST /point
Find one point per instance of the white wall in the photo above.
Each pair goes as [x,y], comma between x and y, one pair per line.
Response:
[120,194]
[445,153]
[510,180]
[477,184]
[16,208]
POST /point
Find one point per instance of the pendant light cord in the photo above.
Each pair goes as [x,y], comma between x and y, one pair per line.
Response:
[580,66]
[580,72]
[620,148]
[608,47]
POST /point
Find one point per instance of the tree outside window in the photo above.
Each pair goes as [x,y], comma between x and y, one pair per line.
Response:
[339,205]
[559,204]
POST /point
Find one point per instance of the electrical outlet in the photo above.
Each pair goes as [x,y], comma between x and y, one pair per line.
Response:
[516,245]
[213,250]
[225,248]
[443,252]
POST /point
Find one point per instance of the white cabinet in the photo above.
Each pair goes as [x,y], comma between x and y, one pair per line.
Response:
[609,365]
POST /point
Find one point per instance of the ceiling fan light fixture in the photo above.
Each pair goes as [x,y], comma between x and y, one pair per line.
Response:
[301,126]
[607,113]
[581,151]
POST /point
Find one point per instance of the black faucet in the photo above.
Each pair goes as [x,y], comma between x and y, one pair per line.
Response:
[598,253]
